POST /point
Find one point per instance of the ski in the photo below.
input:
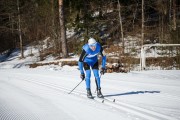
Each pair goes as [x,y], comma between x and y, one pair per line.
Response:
[111,100]
[103,99]
[91,97]
[99,99]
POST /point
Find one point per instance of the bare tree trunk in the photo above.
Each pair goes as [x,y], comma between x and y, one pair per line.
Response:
[63,31]
[134,15]
[162,28]
[52,12]
[53,30]
[19,30]
[85,2]
[120,21]
[170,8]
[174,14]
[12,23]
[11,19]
[142,30]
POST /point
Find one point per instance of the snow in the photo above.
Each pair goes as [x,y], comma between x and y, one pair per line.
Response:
[42,93]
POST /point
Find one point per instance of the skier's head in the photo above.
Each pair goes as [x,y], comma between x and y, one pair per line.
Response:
[92,44]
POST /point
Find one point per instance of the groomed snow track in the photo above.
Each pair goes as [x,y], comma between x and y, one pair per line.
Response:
[110,102]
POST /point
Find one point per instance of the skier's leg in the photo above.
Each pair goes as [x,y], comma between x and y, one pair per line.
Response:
[88,76]
[97,78]
[96,75]
[88,82]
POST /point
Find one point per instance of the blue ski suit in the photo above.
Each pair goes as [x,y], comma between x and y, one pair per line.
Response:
[89,59]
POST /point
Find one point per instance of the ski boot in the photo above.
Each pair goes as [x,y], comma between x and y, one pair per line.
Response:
[99,94]
[89,95]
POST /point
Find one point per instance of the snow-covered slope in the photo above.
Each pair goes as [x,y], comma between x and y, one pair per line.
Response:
[42,94]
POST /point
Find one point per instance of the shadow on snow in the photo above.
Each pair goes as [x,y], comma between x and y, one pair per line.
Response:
[132,93]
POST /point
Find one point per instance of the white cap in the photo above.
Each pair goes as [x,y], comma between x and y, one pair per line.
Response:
[92,41]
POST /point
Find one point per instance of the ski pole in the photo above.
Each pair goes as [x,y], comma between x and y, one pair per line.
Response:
[75,87]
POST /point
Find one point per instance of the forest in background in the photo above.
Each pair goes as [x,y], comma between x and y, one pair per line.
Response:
[111,22]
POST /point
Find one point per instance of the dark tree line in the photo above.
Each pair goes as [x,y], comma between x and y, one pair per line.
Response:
[38,19]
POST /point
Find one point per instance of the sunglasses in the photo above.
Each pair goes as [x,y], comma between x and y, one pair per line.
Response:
[92,45]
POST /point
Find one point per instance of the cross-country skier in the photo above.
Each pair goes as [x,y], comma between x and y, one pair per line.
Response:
[89,60]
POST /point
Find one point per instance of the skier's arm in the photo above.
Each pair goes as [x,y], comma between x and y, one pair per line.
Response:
[103,54]
[80,62]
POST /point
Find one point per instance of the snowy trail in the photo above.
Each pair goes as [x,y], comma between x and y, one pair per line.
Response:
[45,96]
[32,101]
[146,114]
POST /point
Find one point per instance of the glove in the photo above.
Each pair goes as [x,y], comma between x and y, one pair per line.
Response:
[82,76]
[102,71]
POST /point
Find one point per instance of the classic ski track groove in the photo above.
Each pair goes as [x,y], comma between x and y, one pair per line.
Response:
[138,111]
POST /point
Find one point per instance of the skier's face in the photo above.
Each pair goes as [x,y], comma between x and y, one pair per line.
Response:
[93,47]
